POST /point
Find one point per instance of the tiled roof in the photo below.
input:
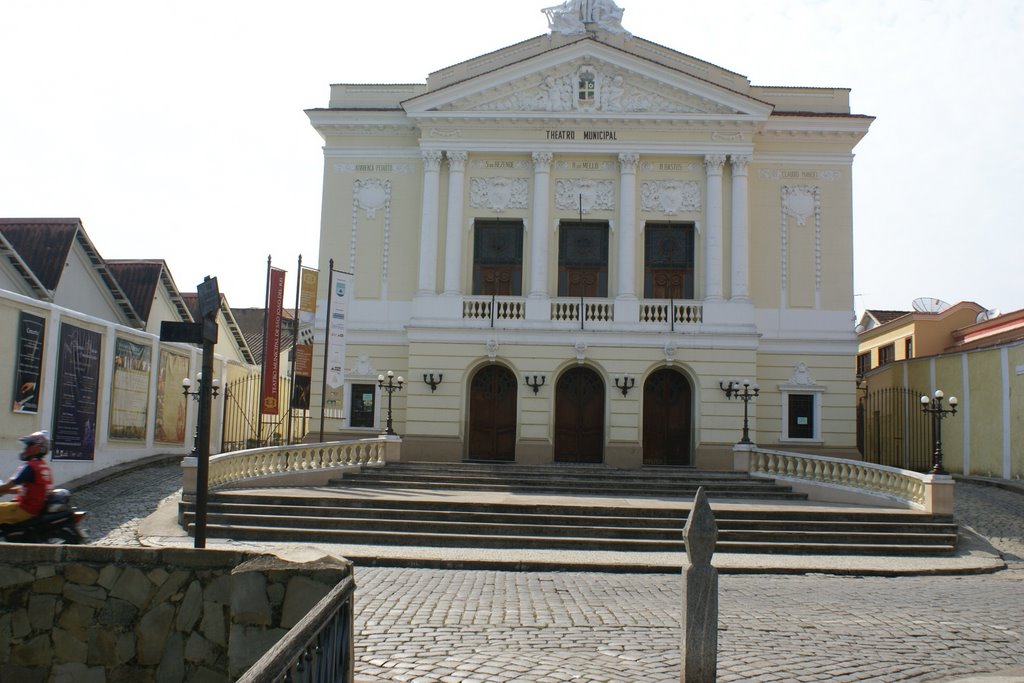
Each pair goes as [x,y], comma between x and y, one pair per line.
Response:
[43,243]
[139,280]
[250,321]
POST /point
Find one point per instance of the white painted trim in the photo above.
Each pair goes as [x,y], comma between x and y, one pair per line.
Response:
[808,159]
[965,410]
[1004,366]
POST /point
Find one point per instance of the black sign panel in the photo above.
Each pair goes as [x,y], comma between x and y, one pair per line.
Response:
[188,333]
[209,297]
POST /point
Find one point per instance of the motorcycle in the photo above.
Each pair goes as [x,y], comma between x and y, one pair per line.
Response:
[59,523]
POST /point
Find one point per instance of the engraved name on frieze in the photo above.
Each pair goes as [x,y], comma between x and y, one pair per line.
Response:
[501,164]
[498,194]
[584,165]
[397,169]
[789,174]
[650,167]
[670,197]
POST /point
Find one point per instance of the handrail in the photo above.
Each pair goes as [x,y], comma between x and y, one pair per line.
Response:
[256,463]
[318,649]
[897,484]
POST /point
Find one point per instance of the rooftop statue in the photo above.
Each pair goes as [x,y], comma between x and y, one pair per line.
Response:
[572,16]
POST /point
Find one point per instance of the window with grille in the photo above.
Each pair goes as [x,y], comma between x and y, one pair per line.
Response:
[498,257]
[668,261]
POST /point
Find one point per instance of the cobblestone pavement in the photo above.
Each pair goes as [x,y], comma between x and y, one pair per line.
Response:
[419,625]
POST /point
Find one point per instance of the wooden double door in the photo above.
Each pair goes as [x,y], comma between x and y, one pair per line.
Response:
[492,414]
[579,417]
[668,405]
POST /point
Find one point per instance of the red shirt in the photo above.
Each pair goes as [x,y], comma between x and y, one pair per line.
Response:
[35,480]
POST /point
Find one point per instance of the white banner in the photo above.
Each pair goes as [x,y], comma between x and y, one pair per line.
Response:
[340,294]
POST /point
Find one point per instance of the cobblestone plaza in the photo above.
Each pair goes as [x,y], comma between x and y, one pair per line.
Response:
[418,625]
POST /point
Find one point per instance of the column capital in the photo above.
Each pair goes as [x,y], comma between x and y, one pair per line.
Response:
[432,160]
[713,164]
[457,160]
[542,161]
[739,163]
[628,162]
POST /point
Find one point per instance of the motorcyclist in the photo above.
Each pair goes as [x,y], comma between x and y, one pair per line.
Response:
[32,481]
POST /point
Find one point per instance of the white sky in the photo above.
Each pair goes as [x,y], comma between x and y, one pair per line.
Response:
[176,130]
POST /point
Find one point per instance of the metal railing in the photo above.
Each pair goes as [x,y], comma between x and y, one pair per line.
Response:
[245,428]
[892,429]
[318,649]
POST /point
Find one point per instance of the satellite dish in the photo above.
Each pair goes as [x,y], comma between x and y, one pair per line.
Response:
[927,304]
[988,315]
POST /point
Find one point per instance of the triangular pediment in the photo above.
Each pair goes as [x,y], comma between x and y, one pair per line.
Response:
[588,78]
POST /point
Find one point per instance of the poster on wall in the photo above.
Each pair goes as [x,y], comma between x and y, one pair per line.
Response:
[74,408]
[29,363]
[129,402]
[303,376]
[170,402]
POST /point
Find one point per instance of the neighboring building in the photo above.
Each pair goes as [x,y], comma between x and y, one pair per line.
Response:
[888,336]
[584,233]
[83,355]
[974,354]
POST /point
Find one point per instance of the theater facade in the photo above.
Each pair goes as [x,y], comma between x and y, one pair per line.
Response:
[581,236]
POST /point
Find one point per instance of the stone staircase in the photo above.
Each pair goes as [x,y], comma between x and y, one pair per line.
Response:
[406,505]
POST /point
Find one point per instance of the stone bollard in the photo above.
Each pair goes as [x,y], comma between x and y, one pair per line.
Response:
[700,595]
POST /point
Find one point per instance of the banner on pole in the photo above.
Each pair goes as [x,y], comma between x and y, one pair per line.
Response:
[307,295]
[270,395]
[340,294]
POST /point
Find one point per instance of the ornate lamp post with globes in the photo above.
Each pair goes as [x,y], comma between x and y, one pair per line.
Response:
[934,407]
[732,390]
[391,385]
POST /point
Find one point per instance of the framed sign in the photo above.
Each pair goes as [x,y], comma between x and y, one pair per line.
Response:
[74,414]
[29,363]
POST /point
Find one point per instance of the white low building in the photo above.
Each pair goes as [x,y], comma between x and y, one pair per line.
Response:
[584,234]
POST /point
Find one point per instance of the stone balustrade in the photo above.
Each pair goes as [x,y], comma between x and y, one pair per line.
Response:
[842,480]
[295,465]
[89,613]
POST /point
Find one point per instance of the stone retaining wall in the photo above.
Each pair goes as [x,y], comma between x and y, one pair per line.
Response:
[81,614]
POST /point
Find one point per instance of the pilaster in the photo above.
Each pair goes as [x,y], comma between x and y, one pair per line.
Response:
[627,225]
[453,230]
[428,223]
[740,228]
[539,225]
[713,164]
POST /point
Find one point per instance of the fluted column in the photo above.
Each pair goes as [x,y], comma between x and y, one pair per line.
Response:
[740,228]
[453,230]
[713,164]
[627,225]
[539,227]
[428,223]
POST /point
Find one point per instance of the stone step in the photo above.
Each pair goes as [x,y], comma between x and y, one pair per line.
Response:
[478,524]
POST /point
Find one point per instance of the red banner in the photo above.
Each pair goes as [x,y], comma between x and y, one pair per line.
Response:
[270,399]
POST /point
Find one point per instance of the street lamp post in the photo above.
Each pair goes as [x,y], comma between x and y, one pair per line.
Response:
[934,407]
[732,390]
[392,385]
[186,386]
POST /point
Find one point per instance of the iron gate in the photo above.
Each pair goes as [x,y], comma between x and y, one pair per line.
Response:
[893,430]
[243,426]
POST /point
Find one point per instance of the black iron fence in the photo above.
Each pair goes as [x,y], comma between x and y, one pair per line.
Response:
[893,430]
[244,427]
[318,649]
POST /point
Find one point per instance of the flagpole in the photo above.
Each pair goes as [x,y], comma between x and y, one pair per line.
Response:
[263,362]
[295,344]
[327,345]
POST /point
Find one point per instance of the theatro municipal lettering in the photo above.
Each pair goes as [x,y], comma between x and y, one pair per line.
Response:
[587,135]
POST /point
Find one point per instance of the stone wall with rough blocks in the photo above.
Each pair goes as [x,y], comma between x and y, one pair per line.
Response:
[113,615]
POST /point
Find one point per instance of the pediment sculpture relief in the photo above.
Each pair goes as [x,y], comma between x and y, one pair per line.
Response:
[498,194]
[590,88]
[670,197]
[572,16]
[584,194]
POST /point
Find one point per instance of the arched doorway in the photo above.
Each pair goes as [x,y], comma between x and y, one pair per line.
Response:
[579,417]
[668,402]
[492,414]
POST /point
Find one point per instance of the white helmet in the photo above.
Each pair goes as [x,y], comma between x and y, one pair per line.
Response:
[36,445]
